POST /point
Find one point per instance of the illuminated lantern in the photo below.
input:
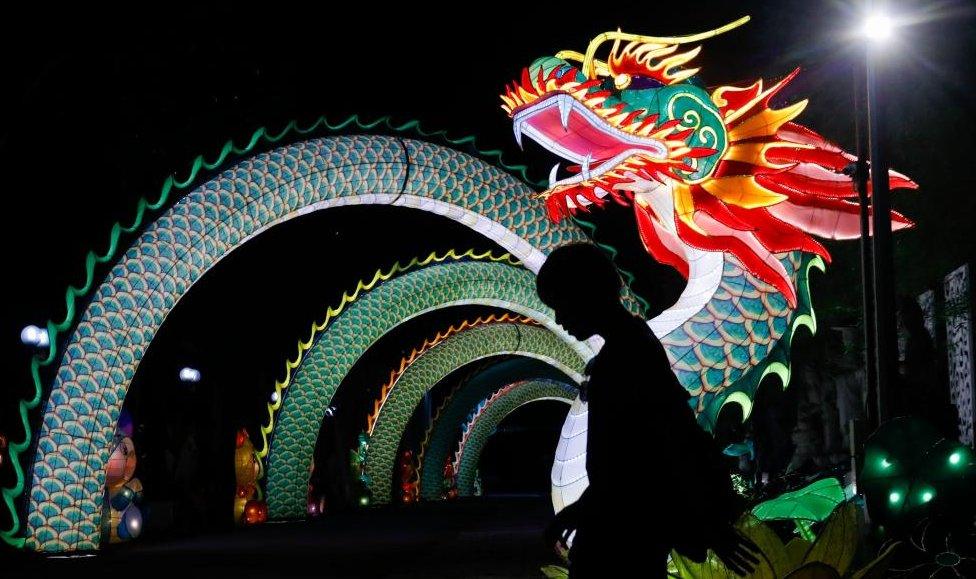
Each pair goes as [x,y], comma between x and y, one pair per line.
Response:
[121,498]
[239,504]
[255,512]
[135,485]
[241,438]
[131,523]
[245,462]
[725,188]
[122,464]
[114,521]
[245,491]
[909,471]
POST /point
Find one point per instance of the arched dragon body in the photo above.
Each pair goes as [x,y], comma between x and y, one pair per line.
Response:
[726,189]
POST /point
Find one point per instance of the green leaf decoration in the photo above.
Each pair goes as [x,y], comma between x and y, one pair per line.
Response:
[829,557]
[797,549]
[814,571]
[711,568]
[877,569]
[838,542]
[774,562]
[814,502]
[555,572]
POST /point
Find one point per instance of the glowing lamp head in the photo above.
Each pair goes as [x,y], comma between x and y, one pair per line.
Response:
[364,501]
[955,458]
[190,375]
[885,463]
[894,498]
[927,496]
[877,27]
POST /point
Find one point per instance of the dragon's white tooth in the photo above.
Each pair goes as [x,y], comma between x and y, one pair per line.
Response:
[552,175]
[600,192]
[517,127]
[565,106]
[583,200]
[569,203]
[585,171]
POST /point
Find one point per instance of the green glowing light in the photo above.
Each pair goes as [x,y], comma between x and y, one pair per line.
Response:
[955,458]
[885,463]
[927,496]
[364,501]
[894,497]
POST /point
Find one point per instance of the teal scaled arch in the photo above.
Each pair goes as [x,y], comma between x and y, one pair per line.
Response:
[435,364]
[127,309]
[490,414]
[443,434]
[355,330]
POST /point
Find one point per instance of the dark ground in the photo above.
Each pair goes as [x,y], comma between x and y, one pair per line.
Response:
[499,537]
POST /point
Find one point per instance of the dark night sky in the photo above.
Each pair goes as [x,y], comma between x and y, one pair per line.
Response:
[99,105]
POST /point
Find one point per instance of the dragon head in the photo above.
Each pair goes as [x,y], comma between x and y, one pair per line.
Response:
[719,171]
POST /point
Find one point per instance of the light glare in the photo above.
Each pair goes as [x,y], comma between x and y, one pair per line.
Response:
[878,27]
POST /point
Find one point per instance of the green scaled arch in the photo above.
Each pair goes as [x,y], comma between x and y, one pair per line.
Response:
[443,435]
[362,288]
[101,356]
[355,330]
[490,414]
[426,371]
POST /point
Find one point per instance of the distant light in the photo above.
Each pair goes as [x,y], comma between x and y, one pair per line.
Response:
[955,458]
[885,463]
[190,375]
[894,497]
[34,336]
[927,496]
[275,397]
[878,27]
[330,411]
[364,500]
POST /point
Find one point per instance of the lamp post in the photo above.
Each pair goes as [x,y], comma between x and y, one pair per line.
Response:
[861,175]
[877,29]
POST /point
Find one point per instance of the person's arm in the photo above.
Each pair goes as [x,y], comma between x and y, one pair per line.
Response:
[566,521]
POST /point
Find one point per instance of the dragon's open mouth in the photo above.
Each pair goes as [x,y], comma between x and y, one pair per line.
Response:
[566,127]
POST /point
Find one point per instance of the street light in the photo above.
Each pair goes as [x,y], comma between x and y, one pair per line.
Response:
[877,269]
[878,27]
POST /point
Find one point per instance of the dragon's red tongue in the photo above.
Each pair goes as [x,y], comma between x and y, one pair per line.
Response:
[580,137]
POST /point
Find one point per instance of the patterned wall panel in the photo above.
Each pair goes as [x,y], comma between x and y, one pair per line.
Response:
[959,338]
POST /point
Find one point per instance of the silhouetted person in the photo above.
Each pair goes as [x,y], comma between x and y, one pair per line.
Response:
[657,481]
[922,391]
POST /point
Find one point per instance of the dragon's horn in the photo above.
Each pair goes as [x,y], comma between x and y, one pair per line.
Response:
[590,66]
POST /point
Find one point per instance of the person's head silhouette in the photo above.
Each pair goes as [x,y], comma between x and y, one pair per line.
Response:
[579,282]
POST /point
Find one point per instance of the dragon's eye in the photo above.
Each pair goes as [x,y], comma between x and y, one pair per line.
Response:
[622,81]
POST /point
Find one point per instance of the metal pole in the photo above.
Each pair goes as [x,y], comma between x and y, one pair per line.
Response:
[867,273]
[884,279]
